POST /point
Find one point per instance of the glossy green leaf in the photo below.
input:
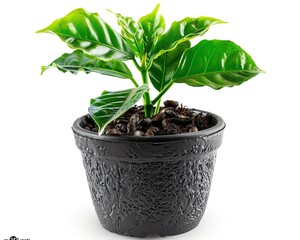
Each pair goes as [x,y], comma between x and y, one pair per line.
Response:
[182,31]
[90,33]
[153,25]
[216,64]
[111,105]
[133,33]
[163,67]
[79,61]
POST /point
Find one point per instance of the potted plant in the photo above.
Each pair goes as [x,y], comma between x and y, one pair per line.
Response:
[150,167]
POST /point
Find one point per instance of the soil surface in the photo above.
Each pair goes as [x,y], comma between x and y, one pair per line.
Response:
[172,119]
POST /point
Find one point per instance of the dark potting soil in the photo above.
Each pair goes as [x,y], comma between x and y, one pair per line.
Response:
[171,119]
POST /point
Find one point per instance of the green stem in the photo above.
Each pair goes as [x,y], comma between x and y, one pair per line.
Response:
[157,107]
[148,107]
[166,88]
[133,81]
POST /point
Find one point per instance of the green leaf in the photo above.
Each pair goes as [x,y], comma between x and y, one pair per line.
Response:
[153,25]
[216,64]
[111,105]
[90,33]
[182,31]
[163,67]
[79,61]
[133,33]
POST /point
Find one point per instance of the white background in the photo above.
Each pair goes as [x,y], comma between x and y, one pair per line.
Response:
[255,190]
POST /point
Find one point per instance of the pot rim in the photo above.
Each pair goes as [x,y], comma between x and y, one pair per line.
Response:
[220,125]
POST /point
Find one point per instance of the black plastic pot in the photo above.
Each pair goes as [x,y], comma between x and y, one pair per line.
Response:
[150,185]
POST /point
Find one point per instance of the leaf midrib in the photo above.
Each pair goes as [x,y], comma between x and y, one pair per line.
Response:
[228,71]
[164,72]
[82,67]
[95,42]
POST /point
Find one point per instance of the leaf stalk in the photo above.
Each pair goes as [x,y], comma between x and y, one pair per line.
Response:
[136,64]
[162,92]
[157,107]
[134,82]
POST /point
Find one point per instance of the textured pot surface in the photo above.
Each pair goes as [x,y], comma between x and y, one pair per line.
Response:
[150,185]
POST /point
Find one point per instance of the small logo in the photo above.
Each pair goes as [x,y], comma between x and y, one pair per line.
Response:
[16,238]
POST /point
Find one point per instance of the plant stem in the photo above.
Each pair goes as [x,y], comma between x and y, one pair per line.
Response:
[157,107]
[166,88]
[148,107]
[134,82]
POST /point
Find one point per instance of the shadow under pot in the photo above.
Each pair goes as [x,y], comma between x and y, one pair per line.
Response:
[155,185]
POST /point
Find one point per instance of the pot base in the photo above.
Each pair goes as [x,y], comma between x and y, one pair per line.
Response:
[154,230]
